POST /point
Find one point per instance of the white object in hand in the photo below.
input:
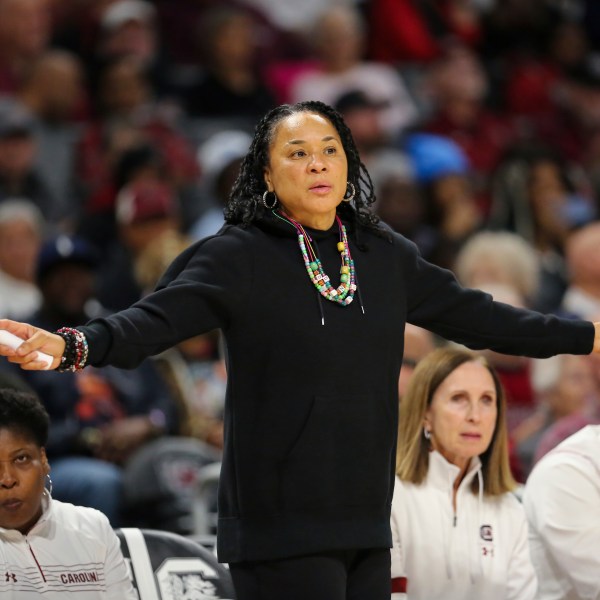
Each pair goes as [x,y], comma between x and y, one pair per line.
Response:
[12,341]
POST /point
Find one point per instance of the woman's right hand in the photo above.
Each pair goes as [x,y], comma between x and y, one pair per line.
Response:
[35,339]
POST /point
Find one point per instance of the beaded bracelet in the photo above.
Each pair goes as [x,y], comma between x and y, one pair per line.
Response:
[75,356]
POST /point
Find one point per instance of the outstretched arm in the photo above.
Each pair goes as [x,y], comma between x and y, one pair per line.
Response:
[597,338]
[35,340]
[436,301]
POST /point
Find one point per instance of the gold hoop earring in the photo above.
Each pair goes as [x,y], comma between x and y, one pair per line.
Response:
[352,192]
[266,204]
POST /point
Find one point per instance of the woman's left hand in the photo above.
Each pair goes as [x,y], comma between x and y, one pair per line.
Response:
[35,340]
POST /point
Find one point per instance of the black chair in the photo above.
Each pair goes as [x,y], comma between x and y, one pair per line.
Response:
[160,483]
[168,566]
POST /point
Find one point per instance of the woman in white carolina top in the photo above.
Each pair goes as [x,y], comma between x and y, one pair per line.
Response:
[458,531]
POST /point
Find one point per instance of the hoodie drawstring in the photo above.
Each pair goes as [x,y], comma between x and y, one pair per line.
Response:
[360,300]
[321,311]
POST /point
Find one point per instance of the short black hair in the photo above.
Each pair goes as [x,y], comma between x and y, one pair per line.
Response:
[245,205]
[23,412]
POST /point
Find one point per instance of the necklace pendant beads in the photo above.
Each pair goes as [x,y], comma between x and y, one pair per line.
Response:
[343,294]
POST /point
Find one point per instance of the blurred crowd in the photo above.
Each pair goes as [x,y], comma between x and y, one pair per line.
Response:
[123,124]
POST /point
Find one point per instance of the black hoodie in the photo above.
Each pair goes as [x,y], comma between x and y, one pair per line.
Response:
[311,409]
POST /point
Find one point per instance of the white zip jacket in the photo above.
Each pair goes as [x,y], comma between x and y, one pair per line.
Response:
[562,503]
[479,552]
[71,552]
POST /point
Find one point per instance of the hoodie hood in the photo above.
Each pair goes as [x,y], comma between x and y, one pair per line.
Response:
[271,223]
[274,223]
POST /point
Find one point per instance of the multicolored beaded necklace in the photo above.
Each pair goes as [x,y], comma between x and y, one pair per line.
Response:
[344,293]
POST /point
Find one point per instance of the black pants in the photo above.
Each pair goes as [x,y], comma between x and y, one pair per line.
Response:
[340,575]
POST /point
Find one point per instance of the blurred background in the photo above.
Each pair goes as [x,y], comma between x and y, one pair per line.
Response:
[122,127]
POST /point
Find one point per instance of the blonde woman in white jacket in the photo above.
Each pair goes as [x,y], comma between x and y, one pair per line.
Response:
[458,531]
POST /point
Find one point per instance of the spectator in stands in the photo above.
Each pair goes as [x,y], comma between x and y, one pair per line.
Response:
[54,92]
[568,426]
[562,502]
[231,86]
[499,257]
[25,31]
[19,177]
[99,418]
[194,369]
[417,31]
[338,37]
[536,196]
[399,201]
[290,16]
[182,22]
[582,296]
[364,118]
[220,158]
[418,343]
[308,412]
[146,212]
[457,87]
[514,28]
[21,234]
[129,118]
[537,86]
[451,210]
[50,549]
[457,530]
[563,386]
[129,28]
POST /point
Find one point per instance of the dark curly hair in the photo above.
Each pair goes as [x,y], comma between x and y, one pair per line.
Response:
[245,206]
[22,412]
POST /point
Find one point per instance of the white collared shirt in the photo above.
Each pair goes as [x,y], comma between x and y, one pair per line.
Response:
[71,552]
[478,552]
[562,503]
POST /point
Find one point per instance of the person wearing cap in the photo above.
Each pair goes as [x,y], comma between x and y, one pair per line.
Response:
[99,418]
[399,198]
[363,116]
[444,173]
[146,212]
[220,158]
[312,294]
[128,29]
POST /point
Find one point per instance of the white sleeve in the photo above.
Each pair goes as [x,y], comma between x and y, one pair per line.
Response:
[118,582]
[522,580]
[564,506]
[397,560]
